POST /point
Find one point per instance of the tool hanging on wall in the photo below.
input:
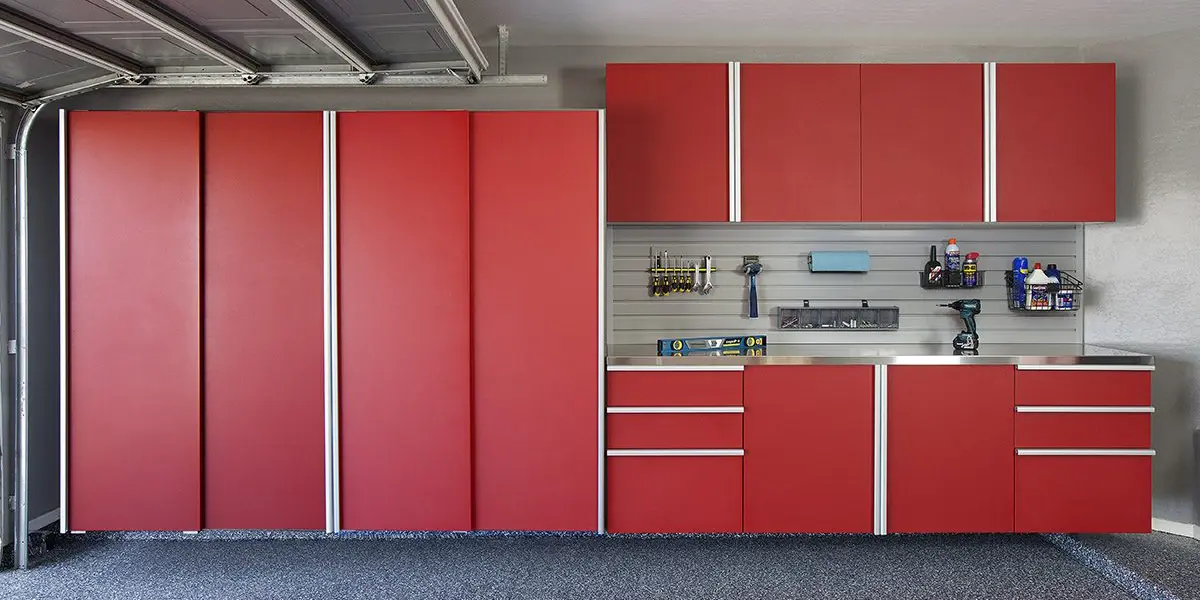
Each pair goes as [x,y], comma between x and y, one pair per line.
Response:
[752,268]
[676,275]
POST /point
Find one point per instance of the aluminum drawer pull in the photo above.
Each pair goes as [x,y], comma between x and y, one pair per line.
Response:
[667,368]
[731,452]
[674,410]
[1082,452]
[1085,409]
[1085,367]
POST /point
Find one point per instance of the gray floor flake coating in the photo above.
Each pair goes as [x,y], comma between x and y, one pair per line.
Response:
[550,567]
[1172,561]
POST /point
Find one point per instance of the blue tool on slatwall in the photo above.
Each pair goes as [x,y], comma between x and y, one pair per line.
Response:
[682,346]
[839,261]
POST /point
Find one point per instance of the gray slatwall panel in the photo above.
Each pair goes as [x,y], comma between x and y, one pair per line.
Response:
[897,255]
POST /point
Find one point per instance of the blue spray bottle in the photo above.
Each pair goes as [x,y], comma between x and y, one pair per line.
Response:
[1020,267]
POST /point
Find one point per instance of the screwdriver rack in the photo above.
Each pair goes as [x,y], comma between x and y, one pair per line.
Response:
[677,275]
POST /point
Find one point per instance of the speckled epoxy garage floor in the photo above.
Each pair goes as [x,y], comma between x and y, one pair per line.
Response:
[993,567]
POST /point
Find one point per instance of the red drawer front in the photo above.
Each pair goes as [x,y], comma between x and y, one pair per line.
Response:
[674,494]
[1083,494]
[1083,430]
[1083,388]
[675,388]
[675,431]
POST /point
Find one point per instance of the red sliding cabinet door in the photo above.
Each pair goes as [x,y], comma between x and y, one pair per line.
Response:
[405,305]
[133,181]
[801,143]
[535,326]
[668,142]
[1056,142]
[810,449]
[950,449]
[922,142]
[264,398]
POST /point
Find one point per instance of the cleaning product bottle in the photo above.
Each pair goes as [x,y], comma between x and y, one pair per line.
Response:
[1037,289]
[953,256]
[1020,266]
[971,270]
[1052,272]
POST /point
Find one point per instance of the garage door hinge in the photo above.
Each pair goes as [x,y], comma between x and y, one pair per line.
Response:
[10,151]
[12,503]
[12,346]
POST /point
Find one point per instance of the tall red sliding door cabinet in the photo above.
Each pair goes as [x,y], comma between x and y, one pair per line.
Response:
[264,390]
[269,331]
[133,320]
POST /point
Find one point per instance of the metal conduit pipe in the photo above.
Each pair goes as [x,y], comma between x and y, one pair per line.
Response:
[21,190]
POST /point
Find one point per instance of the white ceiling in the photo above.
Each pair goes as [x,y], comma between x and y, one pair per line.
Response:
[826,22]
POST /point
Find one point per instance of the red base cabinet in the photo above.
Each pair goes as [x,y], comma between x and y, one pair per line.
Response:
[405,408]
[674,494]
[264,398]
[950,449]
[810,449]
[1083,494]
[133,212]
[535,339]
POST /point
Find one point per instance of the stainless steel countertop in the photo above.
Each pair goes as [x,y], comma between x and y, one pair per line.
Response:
[645,355]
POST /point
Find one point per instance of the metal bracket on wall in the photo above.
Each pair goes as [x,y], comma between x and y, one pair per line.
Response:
[502,50]
[12,346]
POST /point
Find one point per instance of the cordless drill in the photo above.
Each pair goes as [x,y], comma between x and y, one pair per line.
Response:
[967,309]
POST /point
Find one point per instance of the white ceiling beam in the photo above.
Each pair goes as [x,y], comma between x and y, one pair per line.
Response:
[60,41]
[456,30]
[181,29]
[324,30]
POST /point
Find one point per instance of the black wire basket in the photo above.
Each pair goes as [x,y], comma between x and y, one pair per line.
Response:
[1064,296]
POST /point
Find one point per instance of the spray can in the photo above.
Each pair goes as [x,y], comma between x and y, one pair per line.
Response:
[1020,267]
[971,270]
[953,256]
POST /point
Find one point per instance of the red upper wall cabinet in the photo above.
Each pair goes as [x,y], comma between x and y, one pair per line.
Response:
[1056,142]
[922,143]
[800,139]
[668,142]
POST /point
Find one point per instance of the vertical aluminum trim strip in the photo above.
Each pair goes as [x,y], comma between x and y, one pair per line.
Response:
[883,448]
[992,192]
[601,368]
[62,321]
[987,147]
[736,174]
[327,204]
[876,413]
[335,385]
[731,103]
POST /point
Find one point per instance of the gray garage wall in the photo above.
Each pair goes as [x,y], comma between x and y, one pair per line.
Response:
[1143,265]
[576,81]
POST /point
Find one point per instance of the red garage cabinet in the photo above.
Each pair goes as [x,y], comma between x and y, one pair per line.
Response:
[801,143]
[264,398]
[810,449]
[133,250]
[668,142]
[404,304]
[535,252]
[1056,142]
[950,449]
[922,143]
